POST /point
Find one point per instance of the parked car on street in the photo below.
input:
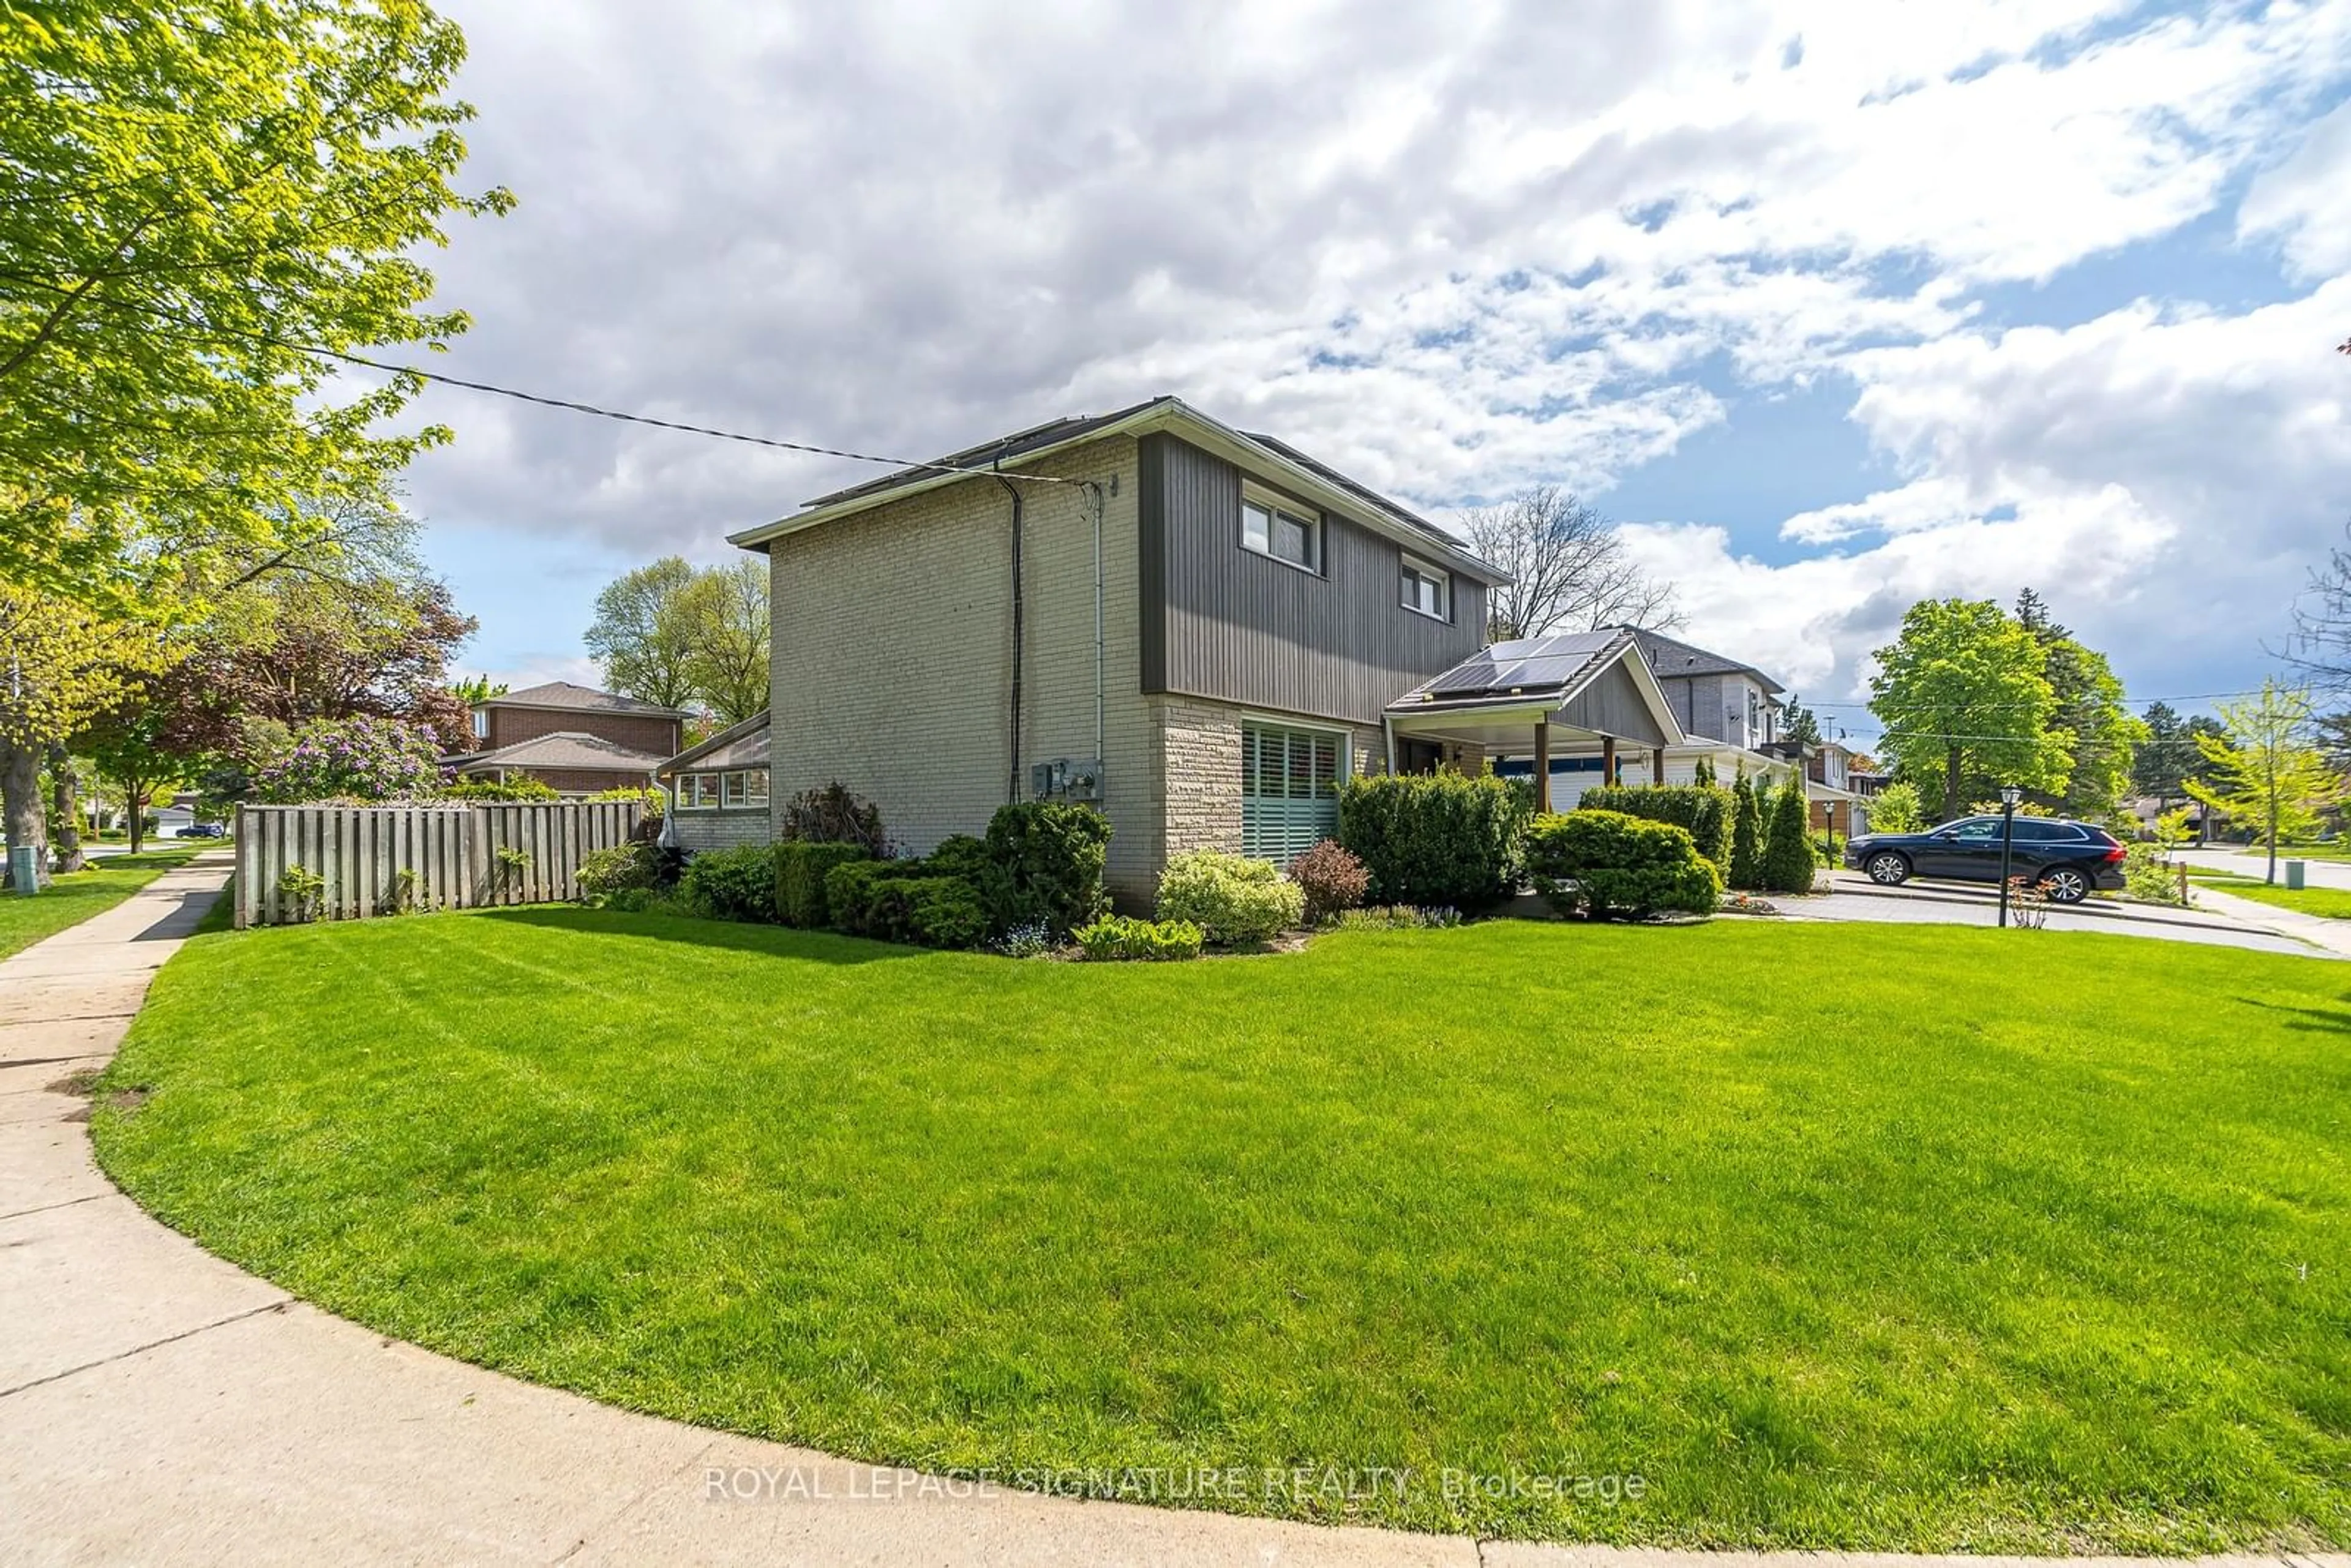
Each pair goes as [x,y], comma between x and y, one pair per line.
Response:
[202,830]
[2067,860]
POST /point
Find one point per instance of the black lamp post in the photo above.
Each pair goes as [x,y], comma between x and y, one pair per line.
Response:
[2008,796]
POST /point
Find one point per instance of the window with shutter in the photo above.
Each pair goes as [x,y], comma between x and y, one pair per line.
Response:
[1290,790]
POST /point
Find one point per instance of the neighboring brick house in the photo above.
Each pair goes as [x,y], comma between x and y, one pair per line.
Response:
[573,739]
[718,790]
[1196,629]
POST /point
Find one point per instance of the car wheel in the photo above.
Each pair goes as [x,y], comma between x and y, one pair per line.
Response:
[2064,885]
[1887,870]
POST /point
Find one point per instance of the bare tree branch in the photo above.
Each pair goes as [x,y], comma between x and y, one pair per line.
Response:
[1568,567]
[2319,649]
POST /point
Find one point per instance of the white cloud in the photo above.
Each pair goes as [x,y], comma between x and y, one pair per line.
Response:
[2306,200]
[1451,247]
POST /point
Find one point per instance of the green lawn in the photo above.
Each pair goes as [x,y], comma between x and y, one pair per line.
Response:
[1836,1236]
[2331,903]
[70,899]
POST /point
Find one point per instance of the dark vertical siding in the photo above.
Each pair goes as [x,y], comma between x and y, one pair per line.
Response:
[1239,627]
[1151,567]
[1613,705]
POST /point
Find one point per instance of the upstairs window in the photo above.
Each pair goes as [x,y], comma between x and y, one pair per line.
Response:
[1285,535]
[1427,591]
[481,724]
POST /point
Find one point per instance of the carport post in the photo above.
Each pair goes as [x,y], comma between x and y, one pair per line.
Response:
[1608,759]
[1542,765]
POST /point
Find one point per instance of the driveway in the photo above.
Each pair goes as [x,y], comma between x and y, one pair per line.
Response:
[1855,897]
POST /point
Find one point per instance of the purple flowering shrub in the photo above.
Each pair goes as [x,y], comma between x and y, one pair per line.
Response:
[352,760]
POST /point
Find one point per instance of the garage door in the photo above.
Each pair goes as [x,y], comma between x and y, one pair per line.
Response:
[1289,790]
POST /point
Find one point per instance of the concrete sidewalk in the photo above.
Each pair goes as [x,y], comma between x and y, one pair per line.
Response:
[157,1404]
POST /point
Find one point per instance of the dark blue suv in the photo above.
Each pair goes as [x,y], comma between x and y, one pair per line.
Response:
[2067,859]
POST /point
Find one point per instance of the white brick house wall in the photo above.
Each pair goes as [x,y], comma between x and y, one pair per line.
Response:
[892,659]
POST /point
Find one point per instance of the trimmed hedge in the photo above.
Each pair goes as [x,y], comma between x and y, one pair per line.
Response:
[738,883]
[936,909]
[1047,860]
[1749,836]
[1236,902]
[1788,859]
[1607,863]
[1441,839]
[801,867]
[1703,810]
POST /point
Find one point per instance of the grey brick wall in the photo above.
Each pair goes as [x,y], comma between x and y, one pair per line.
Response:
[892,654]
[723,829]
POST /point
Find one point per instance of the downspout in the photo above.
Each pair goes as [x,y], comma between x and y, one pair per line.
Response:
[1101,763]
[1012,785]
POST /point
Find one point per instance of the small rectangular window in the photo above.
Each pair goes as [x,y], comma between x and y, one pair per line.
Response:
[698,791]
[1257,528]
[1284,535]
[755,788]
[1428,589]
[481,724]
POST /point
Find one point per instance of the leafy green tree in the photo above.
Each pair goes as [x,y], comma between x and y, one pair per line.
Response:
[2266,773]
[1788,848]
[1963,694]
[131,746]
[1749,836]
[1896,809]
[62,664]
[190,192]
[1799,724]
[2106,734]
[2168,758]
[641,639]
[726,613]
[676,635]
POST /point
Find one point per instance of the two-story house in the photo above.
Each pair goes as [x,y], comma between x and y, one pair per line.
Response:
[1198,628]
[576,739]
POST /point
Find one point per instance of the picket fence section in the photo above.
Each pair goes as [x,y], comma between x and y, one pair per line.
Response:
[355,862]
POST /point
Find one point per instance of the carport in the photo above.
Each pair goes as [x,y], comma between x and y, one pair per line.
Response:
[1569,695]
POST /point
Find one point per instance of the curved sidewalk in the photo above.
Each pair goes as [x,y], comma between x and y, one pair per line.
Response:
[157,1404]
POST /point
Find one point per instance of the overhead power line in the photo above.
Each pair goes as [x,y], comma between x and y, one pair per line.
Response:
[573,406]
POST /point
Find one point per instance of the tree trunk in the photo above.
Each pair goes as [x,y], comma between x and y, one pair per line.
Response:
[65,811]
[137,790]
[1951,785]
[20,803]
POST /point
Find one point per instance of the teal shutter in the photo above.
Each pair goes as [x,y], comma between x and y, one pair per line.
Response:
[1289,790]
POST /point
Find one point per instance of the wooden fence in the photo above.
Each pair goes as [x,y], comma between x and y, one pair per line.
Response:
[389,860]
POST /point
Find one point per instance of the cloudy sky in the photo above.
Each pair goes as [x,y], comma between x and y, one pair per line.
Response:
[1835,305]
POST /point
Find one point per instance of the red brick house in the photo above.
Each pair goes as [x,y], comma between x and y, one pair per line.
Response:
[573,739]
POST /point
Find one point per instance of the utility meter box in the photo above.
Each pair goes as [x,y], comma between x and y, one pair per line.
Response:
[1064,779]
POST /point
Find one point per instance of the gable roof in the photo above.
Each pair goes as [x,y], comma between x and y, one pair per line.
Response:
[563,749]
[743,745]
[1312,480]
[573,698]
[1517,682]
[1670,658]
